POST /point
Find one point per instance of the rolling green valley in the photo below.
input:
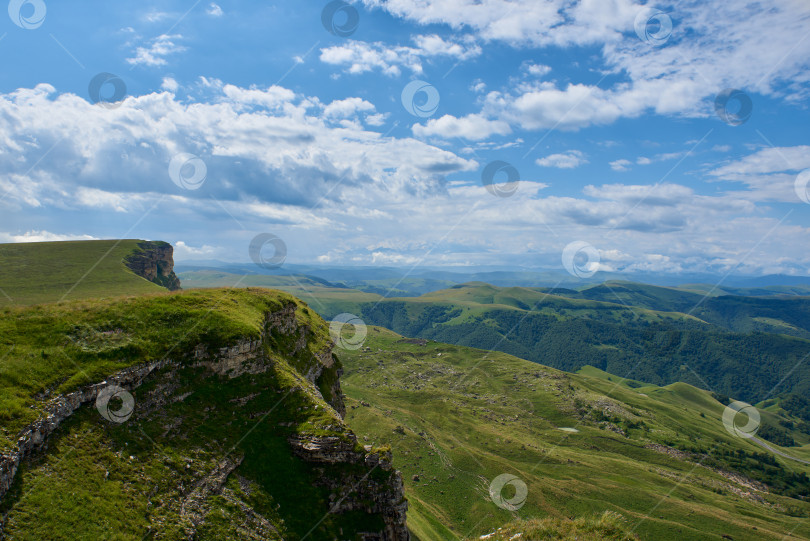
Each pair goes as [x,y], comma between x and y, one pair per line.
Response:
[583,443]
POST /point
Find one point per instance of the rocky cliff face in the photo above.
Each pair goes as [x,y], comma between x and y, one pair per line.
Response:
[385,496]
[357,479]
[34,437]
[155,263]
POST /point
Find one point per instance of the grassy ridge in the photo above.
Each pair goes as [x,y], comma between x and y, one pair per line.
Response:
[38,272]
[458,417]
[151,476]
[55,348]
[786,313]
[648,345]
[131,481]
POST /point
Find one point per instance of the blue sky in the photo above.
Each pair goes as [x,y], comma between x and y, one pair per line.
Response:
[607,116]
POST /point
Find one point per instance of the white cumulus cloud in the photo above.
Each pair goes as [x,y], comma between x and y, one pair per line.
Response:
[621,165]
[472,127]
[360,57]
[566,160]
[155,53]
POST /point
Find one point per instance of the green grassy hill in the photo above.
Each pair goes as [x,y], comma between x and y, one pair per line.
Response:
[658,459]
[37,272]
[728,309]
[635,342]
[643,295]
[234,431]
[779,290]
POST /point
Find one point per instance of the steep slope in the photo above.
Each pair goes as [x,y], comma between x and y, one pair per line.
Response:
[37,272]
[660,457]
[218,415]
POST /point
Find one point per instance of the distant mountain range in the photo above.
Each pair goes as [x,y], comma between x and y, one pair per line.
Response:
[438,278]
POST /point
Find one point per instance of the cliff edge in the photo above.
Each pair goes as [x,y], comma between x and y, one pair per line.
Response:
[153,260]
[212,414]
[42,272]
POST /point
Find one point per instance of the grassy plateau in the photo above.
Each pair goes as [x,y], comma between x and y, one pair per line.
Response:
[37,272]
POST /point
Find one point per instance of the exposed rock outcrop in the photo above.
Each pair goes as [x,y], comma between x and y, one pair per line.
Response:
[326,449]
[194,507]
[155,263]
[34,436]
[354,492]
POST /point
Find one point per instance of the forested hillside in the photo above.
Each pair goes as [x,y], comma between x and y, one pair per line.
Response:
[724,353]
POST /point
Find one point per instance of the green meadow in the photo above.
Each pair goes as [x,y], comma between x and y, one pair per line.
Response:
[583,444]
